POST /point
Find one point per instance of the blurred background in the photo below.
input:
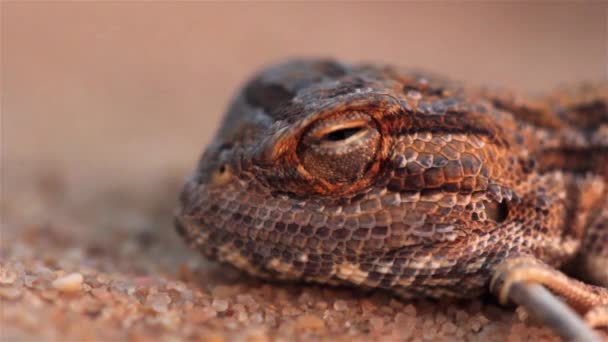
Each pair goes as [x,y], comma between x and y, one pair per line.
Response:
[127,88]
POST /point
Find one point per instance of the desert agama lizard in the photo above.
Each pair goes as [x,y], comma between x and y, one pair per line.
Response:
[381,177]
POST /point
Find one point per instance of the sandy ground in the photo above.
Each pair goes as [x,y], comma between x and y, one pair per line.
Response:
[83,264]
[106,107]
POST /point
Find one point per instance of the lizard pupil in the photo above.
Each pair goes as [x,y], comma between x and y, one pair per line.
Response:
[342,134]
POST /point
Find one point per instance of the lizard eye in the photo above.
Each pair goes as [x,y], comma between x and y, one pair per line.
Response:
[339,149]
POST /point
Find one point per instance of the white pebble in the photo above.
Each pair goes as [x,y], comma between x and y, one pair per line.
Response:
[219,305]
[69,283]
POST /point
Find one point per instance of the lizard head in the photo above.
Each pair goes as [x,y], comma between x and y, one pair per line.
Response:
[317,163]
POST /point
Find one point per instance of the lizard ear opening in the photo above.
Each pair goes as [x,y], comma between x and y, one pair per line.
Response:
[339,149]
[496,211]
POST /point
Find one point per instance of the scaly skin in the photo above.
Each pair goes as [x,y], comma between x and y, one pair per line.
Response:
[388,178]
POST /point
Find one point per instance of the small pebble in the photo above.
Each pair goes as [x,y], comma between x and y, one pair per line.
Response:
[321,305]
[376,323]
[521,314]
[257,318]
[309,321]
[177,286]
[219,305]
[340,305]
[10,292]
[102,294]
[291,311]
[68,283]
[224,291]
[245,299]
[242,316]
[158,301]
[406,324]
[395,304]
[414,94]
[410,310]
[49,294]
[29,281]
[367,305]
[7,275]
[270,319]
[201,314]
[449,328]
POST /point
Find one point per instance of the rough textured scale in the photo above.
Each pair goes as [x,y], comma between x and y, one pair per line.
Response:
[381,177]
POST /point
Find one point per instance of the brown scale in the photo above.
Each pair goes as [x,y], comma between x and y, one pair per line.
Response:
[379,177]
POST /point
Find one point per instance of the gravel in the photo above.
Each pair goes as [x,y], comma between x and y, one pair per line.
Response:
[78,264]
